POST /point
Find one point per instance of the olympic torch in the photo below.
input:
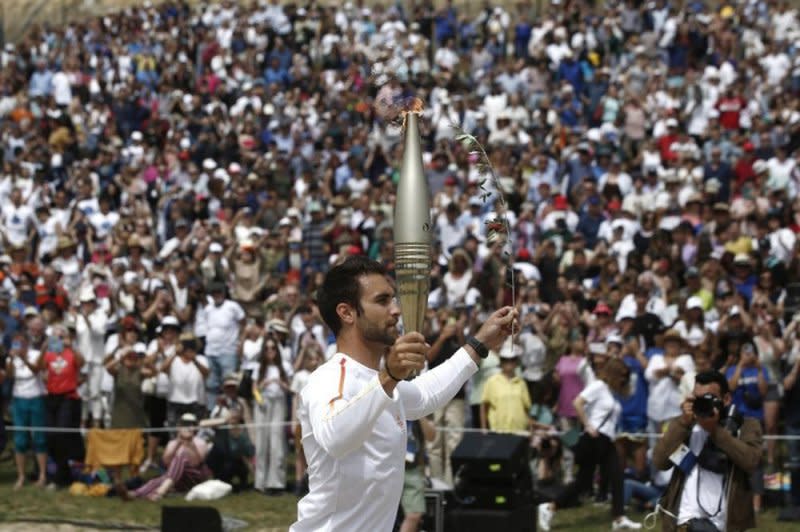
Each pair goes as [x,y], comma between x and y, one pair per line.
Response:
[412,231]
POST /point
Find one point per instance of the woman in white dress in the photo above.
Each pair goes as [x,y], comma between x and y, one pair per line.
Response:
[271,387]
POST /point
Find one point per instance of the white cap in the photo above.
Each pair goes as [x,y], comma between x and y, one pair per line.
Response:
[671,122]
[209,164]
[221,173]
[694,302]
[614,338]
[215,247]
[597,348]
[284,222]
[234,168]
[129,277]
[139,347]
[87,295]
[170,321]
[185,143]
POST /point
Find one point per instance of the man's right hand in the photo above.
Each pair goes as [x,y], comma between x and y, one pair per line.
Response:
[498,327]
[407,355]
[687,411]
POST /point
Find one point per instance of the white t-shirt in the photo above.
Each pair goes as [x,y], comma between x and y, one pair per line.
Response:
[251,351]
[90,335]
[354,438]
[103,223]
[273,388]
[222,327]
[186,383]
[702,503]
[16,220]
[48,236]
[693,334]
[27,384]
[62,91]
[664,401]
[88,206]
[162,381]
[533,355]
[602,409]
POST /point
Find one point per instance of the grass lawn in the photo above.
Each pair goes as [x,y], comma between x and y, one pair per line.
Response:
[258,511]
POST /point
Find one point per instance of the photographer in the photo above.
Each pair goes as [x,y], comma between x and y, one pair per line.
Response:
[714,451]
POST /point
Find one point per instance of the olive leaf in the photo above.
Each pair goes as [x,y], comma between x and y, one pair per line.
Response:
[487,173]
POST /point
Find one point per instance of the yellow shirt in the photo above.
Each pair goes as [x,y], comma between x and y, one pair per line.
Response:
[743,244]
[507,403]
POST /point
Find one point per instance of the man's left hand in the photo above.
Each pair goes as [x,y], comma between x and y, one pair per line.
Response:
[407,355]
[498,327]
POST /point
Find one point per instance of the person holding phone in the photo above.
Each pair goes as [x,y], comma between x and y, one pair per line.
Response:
[61,365]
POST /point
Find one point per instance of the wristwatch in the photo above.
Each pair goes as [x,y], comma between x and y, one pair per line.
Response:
[478,346]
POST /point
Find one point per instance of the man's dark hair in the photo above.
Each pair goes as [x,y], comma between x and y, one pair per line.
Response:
[341,286]
[711,377]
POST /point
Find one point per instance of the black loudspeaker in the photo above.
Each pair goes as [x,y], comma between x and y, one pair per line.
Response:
[194,518]
[495,497]
[521,519]
[492,458]
[433,520]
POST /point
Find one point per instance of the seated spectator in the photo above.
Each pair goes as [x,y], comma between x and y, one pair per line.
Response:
[229,457]
[184,458]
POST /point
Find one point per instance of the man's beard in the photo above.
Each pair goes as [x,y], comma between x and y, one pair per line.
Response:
[377,334]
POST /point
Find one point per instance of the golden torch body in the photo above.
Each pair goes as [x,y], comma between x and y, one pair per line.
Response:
[412,231]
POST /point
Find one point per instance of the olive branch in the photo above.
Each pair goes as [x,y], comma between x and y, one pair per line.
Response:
[488,175]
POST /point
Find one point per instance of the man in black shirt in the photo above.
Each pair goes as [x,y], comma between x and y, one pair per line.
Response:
[645,323]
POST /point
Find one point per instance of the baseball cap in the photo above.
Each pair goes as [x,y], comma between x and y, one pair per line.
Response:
[614,338]
[170,321]
[694,302]
[188,419]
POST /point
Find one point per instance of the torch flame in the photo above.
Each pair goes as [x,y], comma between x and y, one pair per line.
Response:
[413,105]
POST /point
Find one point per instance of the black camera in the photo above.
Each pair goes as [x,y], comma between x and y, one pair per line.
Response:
[704,406]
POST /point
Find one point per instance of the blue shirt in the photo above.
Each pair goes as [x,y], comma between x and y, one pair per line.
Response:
[748,384]
[40,83]
[634,406]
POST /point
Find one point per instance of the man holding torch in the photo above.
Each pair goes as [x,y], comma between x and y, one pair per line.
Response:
[353,410]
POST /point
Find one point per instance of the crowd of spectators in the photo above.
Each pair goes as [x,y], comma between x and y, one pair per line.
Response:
[176,179]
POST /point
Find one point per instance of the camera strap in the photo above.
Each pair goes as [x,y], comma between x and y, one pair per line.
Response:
[721,496]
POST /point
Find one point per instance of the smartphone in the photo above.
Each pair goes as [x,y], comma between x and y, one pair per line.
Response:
[55,344]
[16,344]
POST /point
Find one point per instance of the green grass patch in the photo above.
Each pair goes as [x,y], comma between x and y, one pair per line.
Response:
[258,511]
